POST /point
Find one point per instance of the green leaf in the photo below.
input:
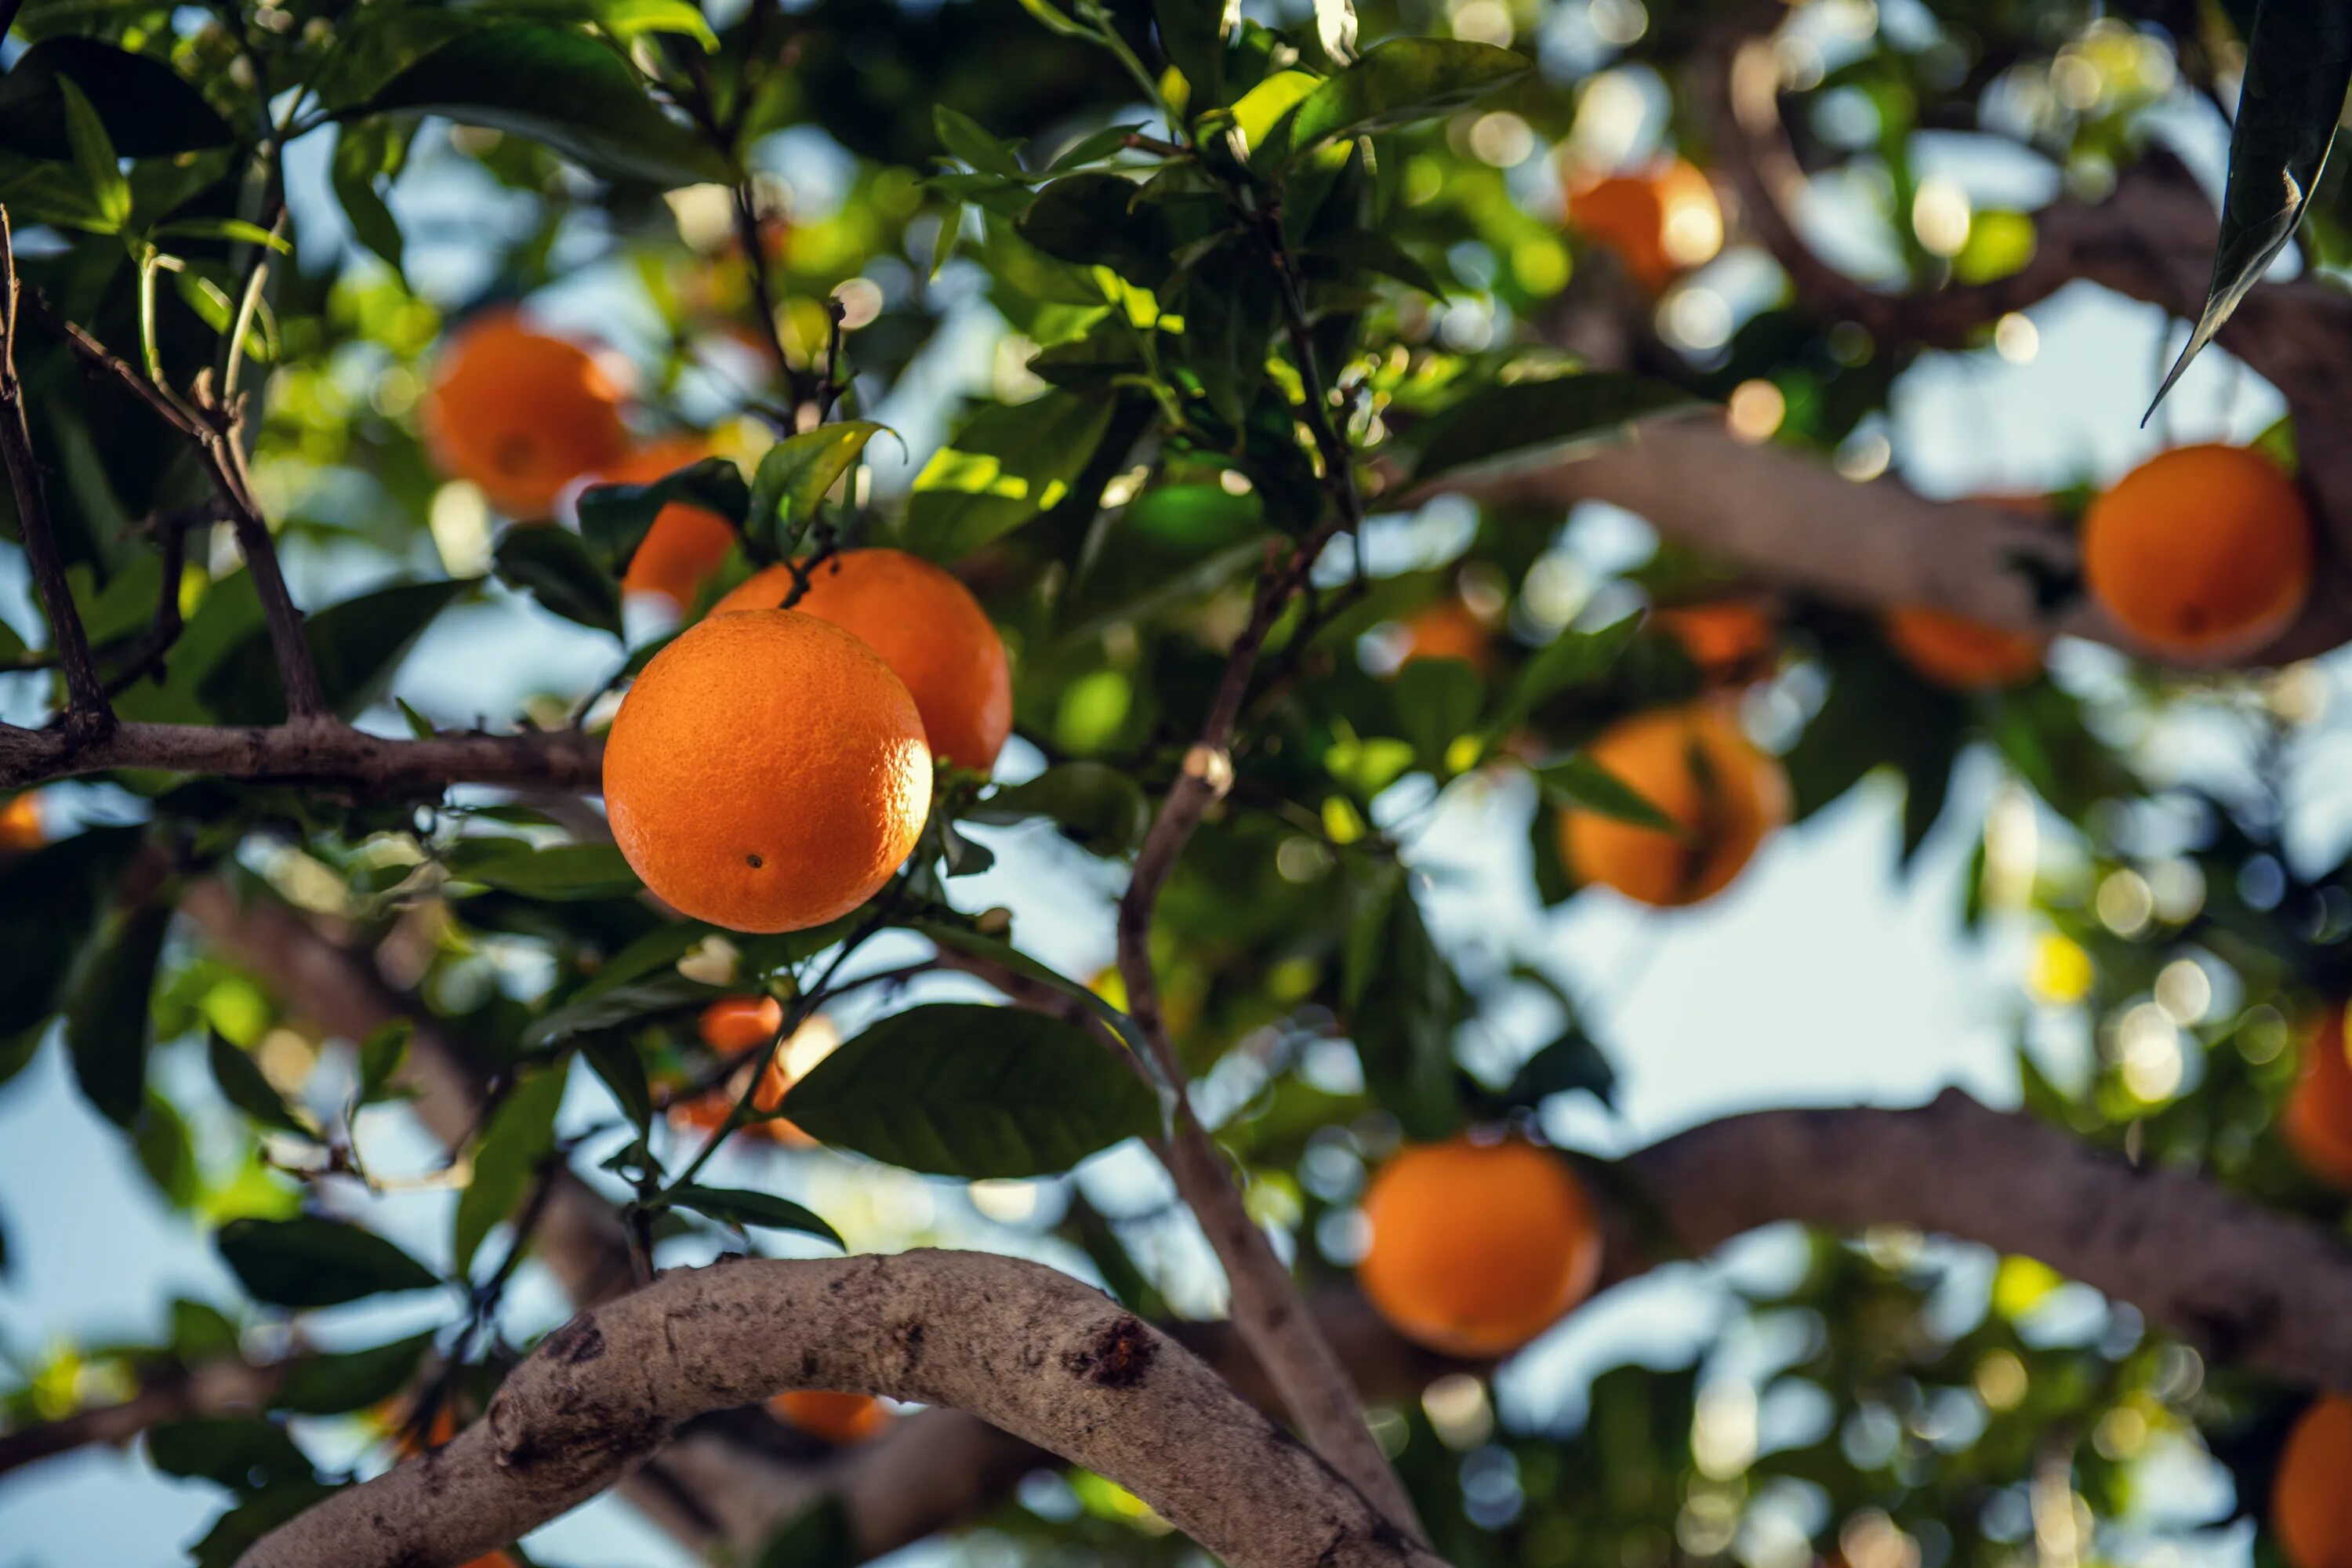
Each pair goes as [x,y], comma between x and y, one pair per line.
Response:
[93,154]
[35,191]
[964,138]
[821,1535]
[1094,147]
[51,899]
[621,1069]
[1094,219]
[234,229]
[243,1085]
[519,1137]
[241,1453]
[563,872]
[2298,71]
[365,152]
[358,646]
[381,1056]
[558,88]
[1572,1062]
[1528,421]
[742,1209]
[1399,83]
[1056,20]
[956,1090]
[597,1009]
[623,19]
[351,1380]
[1437,703]
[314,1262]
[1401,999]
[614,518]
[146,109]
[794,475]
[1008,466]
[554,566]
[1372,252]
[962,939]
[1580,783]
[1570,659]
[108,1021]
[1192,36]
[1098,807]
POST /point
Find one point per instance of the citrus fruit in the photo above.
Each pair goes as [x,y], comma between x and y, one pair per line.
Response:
[1963,655]
[21,827]
[766,773]
[520,413]
[1477,1248]
[1448,630]
[1694,765]
[2317,1121]
[686,544]
[927,628]
[2311,1506]
[1660,221]
[835,1417]
[1731,640]
[2200,553]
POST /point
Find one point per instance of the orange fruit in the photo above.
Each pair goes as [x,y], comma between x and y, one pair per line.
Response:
[927,628]
[1660,221]
[735,1024]
[1694,765]
[2200,553]
[520,413]
[1448,630]
[1964,654]
[727,1027]
[1477,1248]
[1731,640]
[835,1417]
[766,773]
[2316,1122]
[21,827]
[686,544]
[2311,1507]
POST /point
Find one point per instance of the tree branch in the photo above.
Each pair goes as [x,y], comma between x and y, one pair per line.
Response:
[1028,1349]
[212,1388]
[88,715]
[545,759]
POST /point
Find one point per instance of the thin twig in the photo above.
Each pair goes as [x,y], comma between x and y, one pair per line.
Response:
[88,715]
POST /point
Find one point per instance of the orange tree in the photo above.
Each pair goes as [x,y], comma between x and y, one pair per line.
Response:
[1262,285]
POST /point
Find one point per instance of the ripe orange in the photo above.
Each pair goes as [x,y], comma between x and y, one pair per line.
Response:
[686,544]
[1477,1248]
[1448,630]
[735,1024]
[1957,652]
[1661,221]
[1731,640]
[836,1417]
[520,413]
[2317,1121]
[741,1024]
[766,773]
[2202,553]
[927,628]
[2311,1508]
[21,827]
[1694,765]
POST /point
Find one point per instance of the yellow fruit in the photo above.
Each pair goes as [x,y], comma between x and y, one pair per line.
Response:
[2202,553]
[927,628]
[1695,765]
[1477,1248]
[766,773]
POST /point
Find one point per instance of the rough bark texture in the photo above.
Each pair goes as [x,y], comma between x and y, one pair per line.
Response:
[1030,1350]
[321,751]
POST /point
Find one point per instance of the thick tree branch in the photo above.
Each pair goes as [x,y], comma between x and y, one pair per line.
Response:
[88,715]
[544,760]
[1030,1350]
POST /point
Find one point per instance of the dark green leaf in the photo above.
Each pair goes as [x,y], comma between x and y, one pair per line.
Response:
[241,1453]
[313,1262]
[1571,659]
[1574,1061]
[1094,219]
[518,1140]
[794,475]
[820,1536]
[1008,464]
[1525,421]
[1192,36]
[558,88]
[352,1380]
[622,1070]
[2298,70]
[740,1208]
[555,566]
[108,1022]
[605,1008]
[365,152]
[146,107]
[50,902]
[1097,807]
[358,646]
[166,1152]
[1401,1000]
[381,1056]
[93,155]
[955,1089]
[1399,83]
[1377,253]
[243,1085]
[965,140]
[614,518]
[1094,147]
[1580,783]
[1437,703]
[558,871]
